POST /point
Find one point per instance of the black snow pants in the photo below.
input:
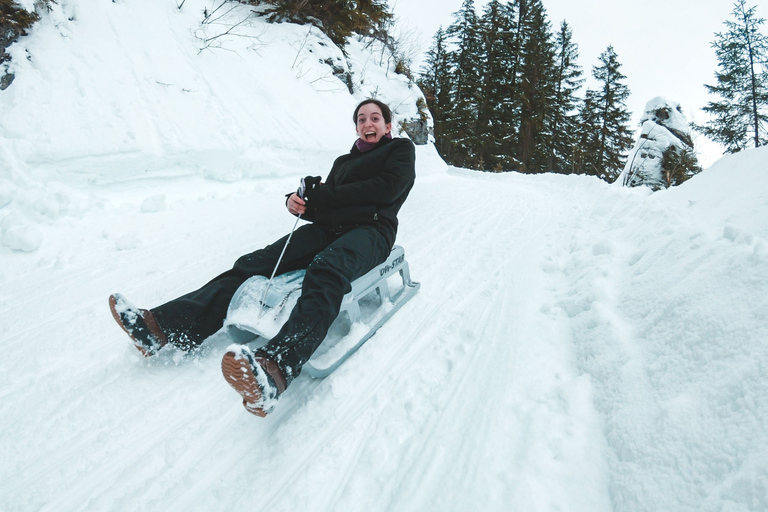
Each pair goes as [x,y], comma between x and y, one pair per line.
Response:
[332,261]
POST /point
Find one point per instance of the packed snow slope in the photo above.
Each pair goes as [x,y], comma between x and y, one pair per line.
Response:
[574,345]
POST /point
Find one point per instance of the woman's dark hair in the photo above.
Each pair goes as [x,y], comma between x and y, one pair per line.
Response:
[385,111]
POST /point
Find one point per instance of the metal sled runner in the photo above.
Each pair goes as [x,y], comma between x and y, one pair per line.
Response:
[374,298]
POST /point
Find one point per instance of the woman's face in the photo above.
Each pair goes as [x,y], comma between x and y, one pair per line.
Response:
[370,123]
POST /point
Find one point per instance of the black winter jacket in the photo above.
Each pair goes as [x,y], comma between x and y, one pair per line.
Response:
[365,189]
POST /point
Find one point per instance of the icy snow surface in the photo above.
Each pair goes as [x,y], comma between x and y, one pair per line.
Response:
[574,346]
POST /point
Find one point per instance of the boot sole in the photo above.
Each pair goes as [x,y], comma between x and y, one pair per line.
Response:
[116,316]
[238,374]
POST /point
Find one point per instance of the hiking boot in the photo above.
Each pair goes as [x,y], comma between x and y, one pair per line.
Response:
[255,376]
[139,324]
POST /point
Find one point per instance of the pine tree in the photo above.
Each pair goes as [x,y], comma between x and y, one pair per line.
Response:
[605,132]
[461,118]
[494,124]
[740,119]
[536,87]
[562,121]
[435,82]
[587,136]
[679,165]
[520,8]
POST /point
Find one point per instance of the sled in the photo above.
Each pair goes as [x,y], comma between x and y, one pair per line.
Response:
[374,299]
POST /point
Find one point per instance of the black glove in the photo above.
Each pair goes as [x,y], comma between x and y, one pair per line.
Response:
[308,185]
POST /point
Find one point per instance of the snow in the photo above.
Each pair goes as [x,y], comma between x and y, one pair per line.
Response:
[573,346]
[663,125]
[246,314]
[675,120]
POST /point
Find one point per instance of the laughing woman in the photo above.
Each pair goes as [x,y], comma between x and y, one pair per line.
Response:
[353,217]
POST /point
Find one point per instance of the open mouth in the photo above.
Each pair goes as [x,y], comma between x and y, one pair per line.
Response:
[370,135]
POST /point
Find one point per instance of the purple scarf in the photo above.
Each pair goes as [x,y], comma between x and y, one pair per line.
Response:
[367,146]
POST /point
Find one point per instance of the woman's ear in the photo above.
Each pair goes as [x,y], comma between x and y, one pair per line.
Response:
[389,127]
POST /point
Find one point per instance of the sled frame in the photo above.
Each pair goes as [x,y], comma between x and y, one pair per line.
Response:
[389,284]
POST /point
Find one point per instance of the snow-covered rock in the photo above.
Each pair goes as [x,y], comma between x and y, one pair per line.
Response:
[663,126]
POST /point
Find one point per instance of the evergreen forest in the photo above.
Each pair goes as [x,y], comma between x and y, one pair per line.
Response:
[505,89]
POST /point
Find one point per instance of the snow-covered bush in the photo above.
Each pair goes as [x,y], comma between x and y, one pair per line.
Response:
[339,19]
[417,127]
[15,19]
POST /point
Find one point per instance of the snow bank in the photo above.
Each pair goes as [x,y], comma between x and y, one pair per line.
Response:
[148,84]
[733,193]
[109,92]
[667,314]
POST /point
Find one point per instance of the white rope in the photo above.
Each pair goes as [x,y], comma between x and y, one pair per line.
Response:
[274,271]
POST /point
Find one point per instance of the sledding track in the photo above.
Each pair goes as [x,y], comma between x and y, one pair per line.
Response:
[401,426]
[570,348]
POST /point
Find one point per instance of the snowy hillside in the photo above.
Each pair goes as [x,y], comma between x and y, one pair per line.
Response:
[108,92]
[574,345]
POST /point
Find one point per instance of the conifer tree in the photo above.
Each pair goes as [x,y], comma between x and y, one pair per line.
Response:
[435,82]
[679,165]
[587,136]
[740,118]
[494,126]
[605,133]
[461,118]
[535,86]
[562,121]
[520,9]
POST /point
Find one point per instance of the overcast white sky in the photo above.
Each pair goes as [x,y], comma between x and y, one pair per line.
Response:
[664,46]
